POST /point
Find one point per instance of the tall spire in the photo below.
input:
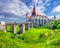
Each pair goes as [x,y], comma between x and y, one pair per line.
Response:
[34,10]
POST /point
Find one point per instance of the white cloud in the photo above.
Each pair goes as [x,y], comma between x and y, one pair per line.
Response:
[1,16]
[55,3]
[52,17]
[13,18]
[47,0]
[35,1]
[40,8]
[56,9]
[15,7]
[58,16]
[48,4]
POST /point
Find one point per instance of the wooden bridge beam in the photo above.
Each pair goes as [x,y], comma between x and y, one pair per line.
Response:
[31,25]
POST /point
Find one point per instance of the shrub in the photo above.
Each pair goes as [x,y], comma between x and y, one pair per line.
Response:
[49,25]
[53,24]
[58,26]
[9,28]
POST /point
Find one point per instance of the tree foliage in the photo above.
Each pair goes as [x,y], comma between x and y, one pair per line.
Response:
[53,24]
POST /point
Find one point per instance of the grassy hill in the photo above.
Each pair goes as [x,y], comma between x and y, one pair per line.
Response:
[34,38]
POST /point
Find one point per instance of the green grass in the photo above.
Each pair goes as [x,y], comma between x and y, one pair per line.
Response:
[34,38]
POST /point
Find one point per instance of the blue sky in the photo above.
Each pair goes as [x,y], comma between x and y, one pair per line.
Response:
[15,10]
[49,5]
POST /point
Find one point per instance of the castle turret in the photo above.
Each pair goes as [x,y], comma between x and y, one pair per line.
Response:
[34,11]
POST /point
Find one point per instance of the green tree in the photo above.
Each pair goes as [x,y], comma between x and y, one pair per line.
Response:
[58,26]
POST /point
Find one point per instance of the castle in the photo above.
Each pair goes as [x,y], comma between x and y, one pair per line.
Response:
[37,19]
[34,20]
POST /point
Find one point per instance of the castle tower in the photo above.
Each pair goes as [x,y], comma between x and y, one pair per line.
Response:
[34,16]
[34,11]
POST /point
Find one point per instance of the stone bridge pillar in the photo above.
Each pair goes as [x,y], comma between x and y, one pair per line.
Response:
[38,22]
[22,28]
[31,25]
[27,26]
[6,28]
[43,21]
[3,26]
[14,28]
[35,22]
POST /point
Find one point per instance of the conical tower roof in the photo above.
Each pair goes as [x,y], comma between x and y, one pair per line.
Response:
[34,11]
